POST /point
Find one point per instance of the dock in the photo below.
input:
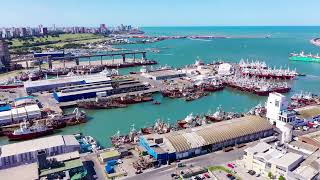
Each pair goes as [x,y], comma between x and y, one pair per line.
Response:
[68,104]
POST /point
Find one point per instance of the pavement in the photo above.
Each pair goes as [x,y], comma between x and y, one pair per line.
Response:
[95,169]
[215,158]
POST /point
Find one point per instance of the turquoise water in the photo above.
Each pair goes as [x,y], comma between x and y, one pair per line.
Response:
[284,40]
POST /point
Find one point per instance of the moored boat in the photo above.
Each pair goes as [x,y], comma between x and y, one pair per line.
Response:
[25,132]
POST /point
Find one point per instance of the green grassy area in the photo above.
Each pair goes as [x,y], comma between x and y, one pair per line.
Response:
[224,169]
[17,42]
[60,41]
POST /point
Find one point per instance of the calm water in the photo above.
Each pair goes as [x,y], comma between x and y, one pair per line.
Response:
[284,40]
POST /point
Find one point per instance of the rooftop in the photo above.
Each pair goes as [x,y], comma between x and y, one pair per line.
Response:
[109,154]
[183,140]
[86,78]
[259,148]
[313,138]
[67,165]
[308,112]
[164,73]
[287,159]
[23,172]
[37,144]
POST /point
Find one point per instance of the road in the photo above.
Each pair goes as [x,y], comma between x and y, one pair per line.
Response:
[204,161]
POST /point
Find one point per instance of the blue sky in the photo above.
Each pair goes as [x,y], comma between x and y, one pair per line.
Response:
[159,12]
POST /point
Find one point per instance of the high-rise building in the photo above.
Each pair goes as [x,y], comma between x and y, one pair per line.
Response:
[44,31]
[4,55]
[23,32]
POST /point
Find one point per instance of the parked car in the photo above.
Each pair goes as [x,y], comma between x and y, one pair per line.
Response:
[230,165]
[251,172]
[181,165]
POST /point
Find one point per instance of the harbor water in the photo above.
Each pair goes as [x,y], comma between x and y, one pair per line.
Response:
[244,42]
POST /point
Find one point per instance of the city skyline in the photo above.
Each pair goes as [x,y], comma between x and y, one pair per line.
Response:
[164,13]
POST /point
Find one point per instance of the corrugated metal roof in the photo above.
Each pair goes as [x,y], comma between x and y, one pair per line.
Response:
[217,132]
[308,112]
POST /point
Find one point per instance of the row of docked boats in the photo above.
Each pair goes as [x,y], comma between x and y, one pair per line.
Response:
[114,102]
[244,64]
[258,86]
[42,127]
[261,70]
[195,92]
[161,127]
[303,99]
[269,73]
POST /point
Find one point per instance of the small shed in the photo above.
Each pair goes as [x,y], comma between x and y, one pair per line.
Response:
[109,155]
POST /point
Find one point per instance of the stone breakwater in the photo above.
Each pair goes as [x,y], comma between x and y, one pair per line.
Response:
[315,41]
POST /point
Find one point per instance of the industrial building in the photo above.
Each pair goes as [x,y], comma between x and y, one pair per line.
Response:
[92,90]
[263,158]
[164,74]
[200,140]
[52,84]
[19,114]
[27,151]
[64,166]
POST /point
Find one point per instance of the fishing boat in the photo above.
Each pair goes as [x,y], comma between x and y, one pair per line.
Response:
[219,115]
[188,120]
[74,118]
[159,127]
[11,84]
[57,72]
[25,132]
[100,104]
[134,99]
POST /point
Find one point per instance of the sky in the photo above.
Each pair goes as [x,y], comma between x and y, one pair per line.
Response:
[160,12]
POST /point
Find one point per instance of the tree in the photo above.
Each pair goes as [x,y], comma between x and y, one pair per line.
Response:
[270,175]
[282,178]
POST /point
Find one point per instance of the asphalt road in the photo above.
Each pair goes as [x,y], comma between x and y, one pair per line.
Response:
[215,158]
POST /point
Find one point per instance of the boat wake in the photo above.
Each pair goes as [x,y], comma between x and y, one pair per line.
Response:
[313,77]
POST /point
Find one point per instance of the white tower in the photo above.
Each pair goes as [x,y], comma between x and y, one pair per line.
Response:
[286,135]
[276,103]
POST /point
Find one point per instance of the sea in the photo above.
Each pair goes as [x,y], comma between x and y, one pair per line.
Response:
[244,43]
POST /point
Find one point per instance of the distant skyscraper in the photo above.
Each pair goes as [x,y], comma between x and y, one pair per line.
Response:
[23,32]
[4,55]
[44,31]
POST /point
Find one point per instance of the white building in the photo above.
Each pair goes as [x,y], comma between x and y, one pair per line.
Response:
[26,152]
[277,110]
[16,115]
[263,158]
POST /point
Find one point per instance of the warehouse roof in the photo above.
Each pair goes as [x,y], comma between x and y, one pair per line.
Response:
[86,78]
[308,112]
[109,154]
[287,159]
[36,144]
[165,72]
[311,138]
[217,132]
[84,91]
[259,148]
[22,172]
